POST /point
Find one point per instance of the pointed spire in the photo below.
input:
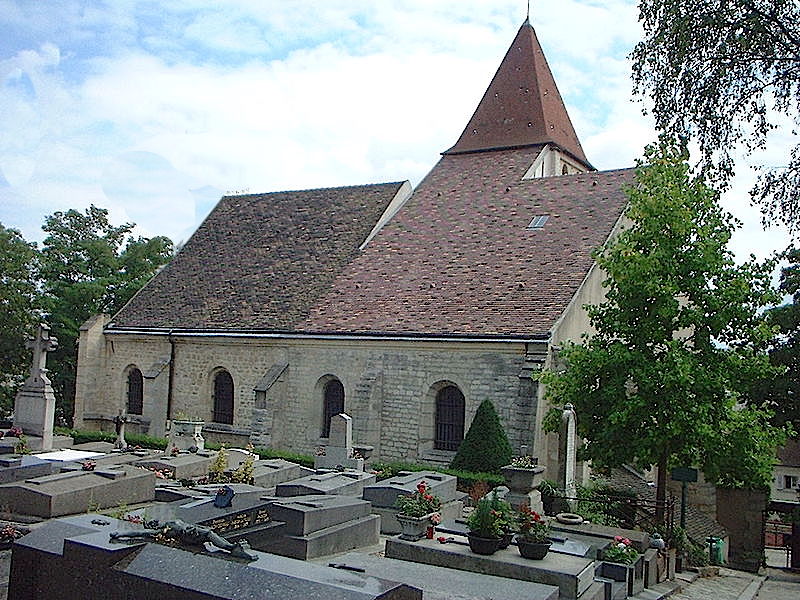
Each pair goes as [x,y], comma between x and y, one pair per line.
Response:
[522,105]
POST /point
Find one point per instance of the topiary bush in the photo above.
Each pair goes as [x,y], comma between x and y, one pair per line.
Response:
[485,447]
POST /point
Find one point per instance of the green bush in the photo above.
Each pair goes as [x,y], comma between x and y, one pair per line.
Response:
[133,439]
[485,447]
[465,479]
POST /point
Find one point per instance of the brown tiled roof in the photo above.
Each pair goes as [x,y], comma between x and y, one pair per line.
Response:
[458,257]
[789,453]
[260,261]
[522,105]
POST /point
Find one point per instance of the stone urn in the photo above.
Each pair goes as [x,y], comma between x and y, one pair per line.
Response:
[522,483]
[413,528]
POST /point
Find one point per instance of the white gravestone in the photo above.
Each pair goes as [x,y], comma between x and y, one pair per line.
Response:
[35,404]
[339,451]
[570,448]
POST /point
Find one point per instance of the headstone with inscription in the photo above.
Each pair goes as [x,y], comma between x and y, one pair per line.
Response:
[35,404]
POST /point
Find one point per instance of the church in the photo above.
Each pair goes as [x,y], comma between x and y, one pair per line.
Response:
[404,308]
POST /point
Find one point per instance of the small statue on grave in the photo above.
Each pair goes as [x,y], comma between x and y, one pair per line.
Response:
[119,428]
[188,534]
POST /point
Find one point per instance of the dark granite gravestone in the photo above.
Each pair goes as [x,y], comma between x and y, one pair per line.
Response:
[18,468]
[270,472]
[74,558]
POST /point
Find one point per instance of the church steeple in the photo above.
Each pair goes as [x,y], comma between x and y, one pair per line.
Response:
[522,105]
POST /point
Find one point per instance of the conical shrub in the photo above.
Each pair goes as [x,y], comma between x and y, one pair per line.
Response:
[485,447]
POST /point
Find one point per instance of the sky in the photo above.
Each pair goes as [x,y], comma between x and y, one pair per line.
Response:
[153,110]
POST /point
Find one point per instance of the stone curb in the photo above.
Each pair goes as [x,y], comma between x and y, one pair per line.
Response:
[752,589]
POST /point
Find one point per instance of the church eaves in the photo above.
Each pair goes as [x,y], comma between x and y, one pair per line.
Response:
[522,105]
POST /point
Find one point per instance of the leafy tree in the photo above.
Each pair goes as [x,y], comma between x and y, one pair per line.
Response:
[485,447]
[87,267]
[722,71]
[18,313]
[677,337]
[783,392]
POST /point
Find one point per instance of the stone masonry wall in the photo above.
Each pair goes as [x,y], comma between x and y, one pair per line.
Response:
[390,386]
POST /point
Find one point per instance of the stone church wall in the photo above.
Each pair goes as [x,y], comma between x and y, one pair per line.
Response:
[390,386]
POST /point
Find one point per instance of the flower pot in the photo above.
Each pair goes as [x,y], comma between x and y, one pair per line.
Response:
[413,528]
[533,550]
[505,540]
[482,545]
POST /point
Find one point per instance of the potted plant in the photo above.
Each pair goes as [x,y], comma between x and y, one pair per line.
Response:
[506,518]
[619,562]
[484,527]
[532,536]
[418,511]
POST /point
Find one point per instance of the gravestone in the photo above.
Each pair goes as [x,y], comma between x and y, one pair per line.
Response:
[384,494]
[185,435]
[119,426]
[346,483]
[18,468]
[75,558]
[570,448]
[35,404]
[339,451]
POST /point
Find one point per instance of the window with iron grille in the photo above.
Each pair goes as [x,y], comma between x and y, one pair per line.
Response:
[333,404]
[223,398]
[135,393]
[449,418]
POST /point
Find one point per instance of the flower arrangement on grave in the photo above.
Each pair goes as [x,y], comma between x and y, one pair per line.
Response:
[174,451]
[9,533]
[531,527]
[485,521]
[420,503]
[621,551]
[88,465]
[506,518]
[245,471]
[14,432]
[524,462]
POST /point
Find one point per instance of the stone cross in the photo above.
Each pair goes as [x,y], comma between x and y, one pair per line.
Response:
[339,451]
[41,344]
[569,419]
[119,426]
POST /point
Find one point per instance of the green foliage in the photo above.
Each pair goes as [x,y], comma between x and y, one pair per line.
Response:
[486,446]
[783,392]
[295,457]
[86,267]
[466,479]
[244,472]
[218,466]
[133,439]
[484,521]
[679,336]
[419,503]
[726,72]
[18,312]
[531,526]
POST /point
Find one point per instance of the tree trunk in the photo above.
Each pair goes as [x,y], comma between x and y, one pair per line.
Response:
[661,488]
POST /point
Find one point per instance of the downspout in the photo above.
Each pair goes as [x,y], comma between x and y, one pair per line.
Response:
[171,374]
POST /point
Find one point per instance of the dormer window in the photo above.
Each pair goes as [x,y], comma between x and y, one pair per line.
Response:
[538,222]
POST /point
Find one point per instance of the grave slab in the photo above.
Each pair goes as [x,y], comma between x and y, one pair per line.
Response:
[77,491]
[67,560]
[19,468]
[571,574]
[182,466]
[441,583]
[346,483]
[270,472]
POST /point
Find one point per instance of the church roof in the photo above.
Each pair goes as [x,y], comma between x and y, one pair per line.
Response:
[522,105]
[459,258]
[260,261]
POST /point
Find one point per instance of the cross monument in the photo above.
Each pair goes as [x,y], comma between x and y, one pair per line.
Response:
[35,404]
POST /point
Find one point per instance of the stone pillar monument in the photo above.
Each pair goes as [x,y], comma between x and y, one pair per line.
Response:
[570,449]
[35,404]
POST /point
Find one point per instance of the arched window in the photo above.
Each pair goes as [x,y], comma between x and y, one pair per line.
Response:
[223,398]
[333,404]
[449,418]
[135,392]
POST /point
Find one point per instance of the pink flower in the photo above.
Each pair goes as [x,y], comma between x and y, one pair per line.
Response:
[617,538]
[436,518]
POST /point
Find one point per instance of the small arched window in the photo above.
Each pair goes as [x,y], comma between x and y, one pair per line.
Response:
[449,418]
[333,404]
[223,398]
[564,170]
[135,392]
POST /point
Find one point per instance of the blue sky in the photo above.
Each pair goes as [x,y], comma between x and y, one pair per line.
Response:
[155,109]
